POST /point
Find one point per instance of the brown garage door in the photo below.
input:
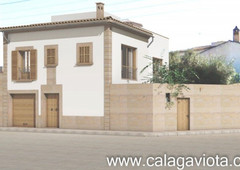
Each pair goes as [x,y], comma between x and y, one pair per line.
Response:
[24,110]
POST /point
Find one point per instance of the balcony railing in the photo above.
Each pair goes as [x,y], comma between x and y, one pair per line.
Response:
[129,73]
[23,74]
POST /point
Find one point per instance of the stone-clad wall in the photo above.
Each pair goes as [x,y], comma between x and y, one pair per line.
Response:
[141,107]
[131,107]
[3,89]
[1,99]
[214,106]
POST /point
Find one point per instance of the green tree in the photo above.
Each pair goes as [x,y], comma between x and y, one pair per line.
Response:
[174,78]
[235,78]
[190,68]
[207,70]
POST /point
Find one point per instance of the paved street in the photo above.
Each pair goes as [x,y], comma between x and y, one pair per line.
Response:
[35,151]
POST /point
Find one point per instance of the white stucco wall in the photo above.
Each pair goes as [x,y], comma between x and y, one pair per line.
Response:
[230,50]
[83,86]
[159,48]
[120,37]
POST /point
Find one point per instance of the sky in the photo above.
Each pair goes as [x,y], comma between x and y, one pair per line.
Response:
[187,23]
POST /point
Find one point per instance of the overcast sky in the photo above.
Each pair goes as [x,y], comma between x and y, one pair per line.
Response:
[187,23]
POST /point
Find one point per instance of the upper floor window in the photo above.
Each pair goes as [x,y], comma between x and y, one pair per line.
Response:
[51,55]
[157,62]
[24,64]
[129,69]
[84,54]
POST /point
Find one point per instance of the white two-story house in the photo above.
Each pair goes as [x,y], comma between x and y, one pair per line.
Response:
[58,74]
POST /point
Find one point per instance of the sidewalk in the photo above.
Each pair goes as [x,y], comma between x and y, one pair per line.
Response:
[120,133]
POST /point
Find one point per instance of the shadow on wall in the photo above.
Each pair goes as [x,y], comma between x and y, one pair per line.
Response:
[56,34]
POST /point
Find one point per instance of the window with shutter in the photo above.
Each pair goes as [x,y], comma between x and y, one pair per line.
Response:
[14,65]
[24,64]
[51,55]
[129,69]
[157,62]
[33,64]
[84,54]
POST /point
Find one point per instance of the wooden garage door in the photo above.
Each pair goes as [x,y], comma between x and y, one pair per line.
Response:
[24,110]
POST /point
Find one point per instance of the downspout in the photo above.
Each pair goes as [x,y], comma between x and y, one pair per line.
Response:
[5,39]
[150,42]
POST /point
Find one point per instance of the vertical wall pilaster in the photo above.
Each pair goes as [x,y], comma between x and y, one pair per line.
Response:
[4,85]
[1,99]
[51,76]
[107,74]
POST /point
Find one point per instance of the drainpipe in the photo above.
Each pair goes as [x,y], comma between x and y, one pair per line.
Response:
[5,38]
[150,42]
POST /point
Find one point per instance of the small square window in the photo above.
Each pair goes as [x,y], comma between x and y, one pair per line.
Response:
[157,63]
[84,54]
[51,55]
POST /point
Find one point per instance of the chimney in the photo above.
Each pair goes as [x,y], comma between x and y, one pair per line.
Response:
[100,10]
[236,34]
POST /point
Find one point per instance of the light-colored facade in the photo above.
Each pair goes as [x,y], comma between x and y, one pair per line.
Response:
[82,90]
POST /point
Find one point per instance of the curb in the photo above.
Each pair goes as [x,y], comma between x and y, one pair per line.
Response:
[120,133]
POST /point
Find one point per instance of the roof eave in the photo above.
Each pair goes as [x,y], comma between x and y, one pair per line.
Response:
[75,24]
[50,26]
[142,32]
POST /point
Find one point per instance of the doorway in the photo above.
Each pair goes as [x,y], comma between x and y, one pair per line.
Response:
[183,114]
[52,110]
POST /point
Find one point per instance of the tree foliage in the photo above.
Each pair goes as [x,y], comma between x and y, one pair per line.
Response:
[174,78]
[172,74]
[207,70]
[190,68]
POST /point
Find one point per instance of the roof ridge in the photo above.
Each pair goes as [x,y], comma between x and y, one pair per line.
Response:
[108,18]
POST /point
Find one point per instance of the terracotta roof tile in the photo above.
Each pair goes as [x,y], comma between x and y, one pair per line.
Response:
[61,23]
[52,23]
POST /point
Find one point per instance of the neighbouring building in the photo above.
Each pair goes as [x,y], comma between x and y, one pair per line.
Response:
[59,74]
[229,49]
